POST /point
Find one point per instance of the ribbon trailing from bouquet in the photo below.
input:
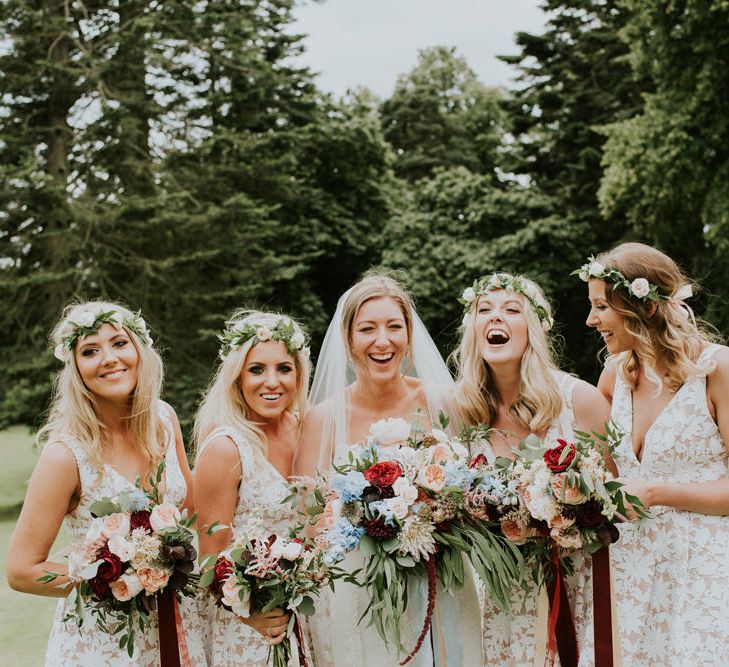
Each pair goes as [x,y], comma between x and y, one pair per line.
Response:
[562,638]
[298,631]
[172,647]
[607,645]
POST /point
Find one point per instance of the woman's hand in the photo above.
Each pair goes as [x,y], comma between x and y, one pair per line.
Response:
[639,488]
[272,625]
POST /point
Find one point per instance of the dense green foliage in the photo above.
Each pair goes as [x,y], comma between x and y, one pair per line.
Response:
[175,156]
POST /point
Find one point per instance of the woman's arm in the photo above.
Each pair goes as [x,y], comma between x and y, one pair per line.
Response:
[182,460]
[53,486]
[592,412]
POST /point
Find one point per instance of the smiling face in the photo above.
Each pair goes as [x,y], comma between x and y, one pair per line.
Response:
[379,338]
[609,322]
[268,380]
[107,362]
[501,326]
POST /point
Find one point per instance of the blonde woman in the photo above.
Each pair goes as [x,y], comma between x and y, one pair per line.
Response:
[107,428]
[669,387]
[508,379]
[247,429]
[379,362]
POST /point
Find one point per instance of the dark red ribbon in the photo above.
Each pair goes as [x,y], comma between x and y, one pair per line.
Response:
[300,641]
[561,630]
[602,608]
[169,651]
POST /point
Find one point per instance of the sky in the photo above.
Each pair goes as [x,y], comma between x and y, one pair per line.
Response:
[370,42]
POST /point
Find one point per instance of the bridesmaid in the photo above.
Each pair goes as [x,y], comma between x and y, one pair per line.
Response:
[669,387]
[509,380]
[107,428]
[247,428]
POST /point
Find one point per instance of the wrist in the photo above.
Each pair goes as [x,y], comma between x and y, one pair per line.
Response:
[653,494]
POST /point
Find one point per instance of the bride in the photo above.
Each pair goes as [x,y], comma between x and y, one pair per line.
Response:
[374,336]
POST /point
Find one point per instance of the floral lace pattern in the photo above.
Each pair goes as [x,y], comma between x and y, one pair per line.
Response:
[69,646]
[509,638]
[672,571]
[260,495]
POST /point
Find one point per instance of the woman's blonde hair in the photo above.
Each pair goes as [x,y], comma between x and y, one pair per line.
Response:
[477,397]
[72,411]
[224,403]
[662,327]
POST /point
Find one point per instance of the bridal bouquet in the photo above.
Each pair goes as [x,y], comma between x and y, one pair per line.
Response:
[136,547]
[414,504]
[263,573]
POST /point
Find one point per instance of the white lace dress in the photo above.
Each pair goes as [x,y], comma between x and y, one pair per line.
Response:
[69,646]
[260,498]
[509,638]
[340,640]
[672,570]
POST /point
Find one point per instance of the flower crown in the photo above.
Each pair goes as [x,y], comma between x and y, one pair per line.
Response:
[510,283]
[639,288]
[284,331]
[89,323]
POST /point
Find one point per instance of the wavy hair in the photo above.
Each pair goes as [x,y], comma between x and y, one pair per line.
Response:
[659,328]
[477,396]
[73,412]
[224,403]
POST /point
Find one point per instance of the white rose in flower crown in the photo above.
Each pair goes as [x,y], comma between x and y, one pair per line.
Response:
[126,587]
[121,547]
[469,294]
[390,431]
[231,591]
[282,548]
[61,352]
[86,319]
[164,516]
[297,340]
[263,334]
[640,287]
[595,269]
[584,276]
[115,524]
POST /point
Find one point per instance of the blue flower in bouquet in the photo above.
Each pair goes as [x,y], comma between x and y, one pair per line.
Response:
[138,500]
[384,509]
[350,486]
[457,473]
[342,537]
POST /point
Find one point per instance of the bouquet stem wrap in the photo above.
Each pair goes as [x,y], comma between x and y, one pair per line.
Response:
[562,635]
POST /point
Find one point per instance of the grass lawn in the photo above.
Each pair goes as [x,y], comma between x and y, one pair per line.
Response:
[25,620]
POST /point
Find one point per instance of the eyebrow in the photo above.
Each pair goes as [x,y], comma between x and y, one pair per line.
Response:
[120,334]
[507,302]
[392,319]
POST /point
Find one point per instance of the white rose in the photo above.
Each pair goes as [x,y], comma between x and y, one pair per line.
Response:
[62,353]
[263,334]
[77,563]
[122,548]
[164,516]
[297,340]
[390,431]
[405,490]
[113,525]
[595,269]
[640,287]
[399,507]
[87,319]
[284,549]
[469,294]
[232,596]
[584,276]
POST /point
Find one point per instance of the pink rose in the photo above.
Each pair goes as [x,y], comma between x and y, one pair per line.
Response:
[515,531]
[115,524]
[572,494]
[231,592]
[432,477]
[121,547]
[164,516]
[441,454]
[126,587]
[152,578]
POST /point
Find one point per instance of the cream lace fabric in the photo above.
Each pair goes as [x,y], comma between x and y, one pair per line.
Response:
[69,646]
[260,495]
[509,638]
[672,571]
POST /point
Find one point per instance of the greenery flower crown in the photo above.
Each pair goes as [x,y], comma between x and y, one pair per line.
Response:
[284,331]
[639,288]
[89,323]
[510,283]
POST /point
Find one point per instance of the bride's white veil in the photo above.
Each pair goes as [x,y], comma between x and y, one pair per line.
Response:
[335,372]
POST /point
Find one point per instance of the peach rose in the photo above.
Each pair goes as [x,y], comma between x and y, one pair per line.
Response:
[121,547]
[514,531]
[560,522]
[441,454]
[432,477]
[126,587]
[231,591]
[572,494]
[569,538]
[152,578]
[115,524]
[164,516]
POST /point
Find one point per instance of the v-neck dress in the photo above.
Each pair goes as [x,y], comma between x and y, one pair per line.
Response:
[88,646]
[261,494]
[672,570]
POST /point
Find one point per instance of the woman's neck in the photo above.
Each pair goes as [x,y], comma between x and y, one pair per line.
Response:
[378,395]
[507,379]
[114,416]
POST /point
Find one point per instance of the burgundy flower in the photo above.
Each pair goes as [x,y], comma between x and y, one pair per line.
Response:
[383,474]
[378,529]
[589,514]
[140,520]
[478,460]
[110,569]
[223,569]
[552,456]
